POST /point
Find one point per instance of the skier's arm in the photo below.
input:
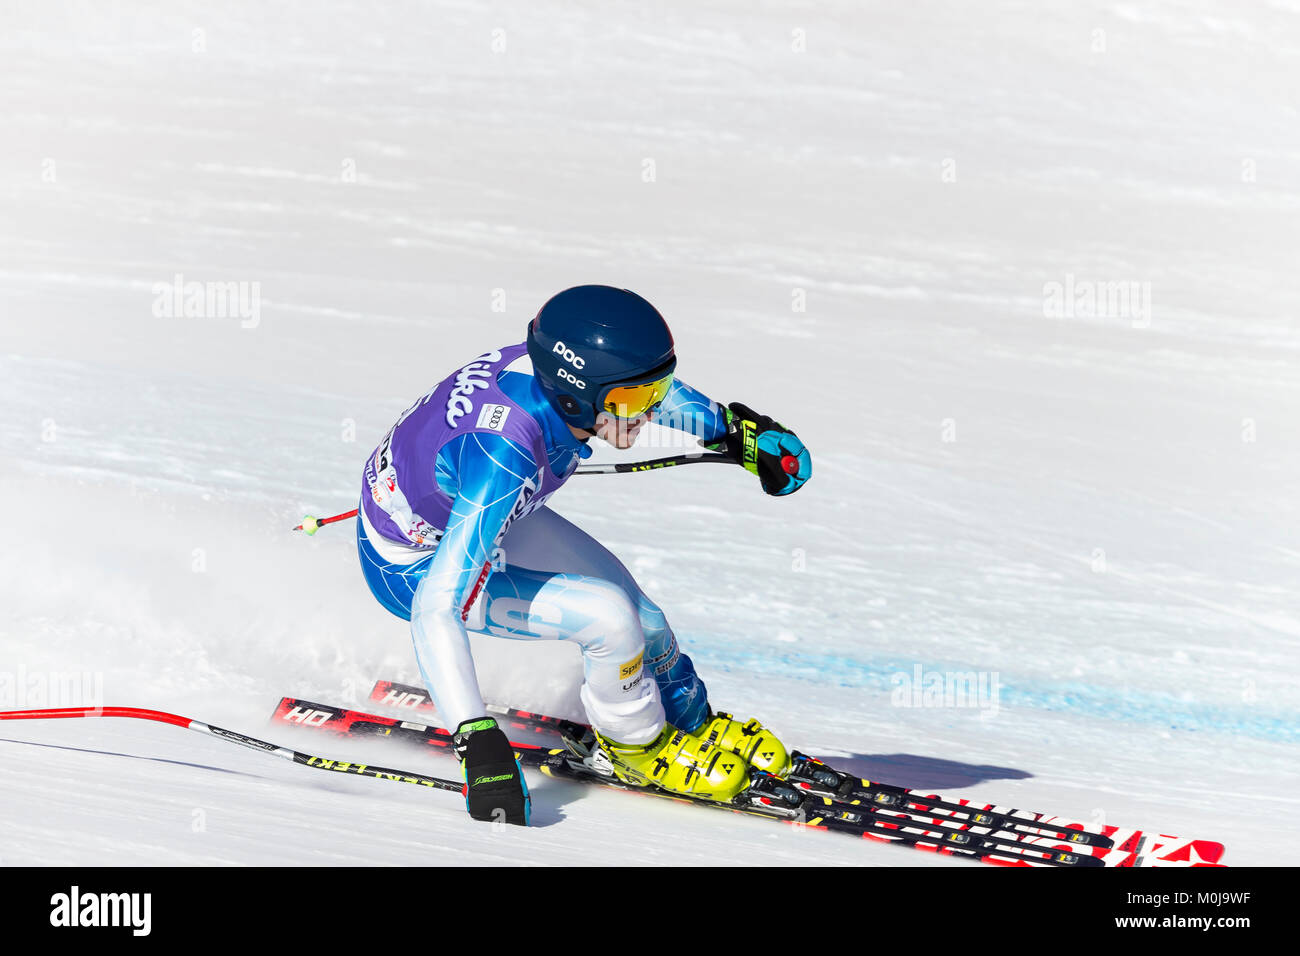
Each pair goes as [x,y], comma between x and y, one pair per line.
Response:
[765,447]
[689,410]
[490,475]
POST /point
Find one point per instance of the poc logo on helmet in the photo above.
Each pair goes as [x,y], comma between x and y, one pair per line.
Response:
[570,356]
[568,376]
[574,359]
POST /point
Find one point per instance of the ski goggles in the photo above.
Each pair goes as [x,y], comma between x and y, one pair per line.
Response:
[631,401]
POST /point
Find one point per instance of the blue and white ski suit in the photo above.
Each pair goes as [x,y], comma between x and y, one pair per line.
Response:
[454,535]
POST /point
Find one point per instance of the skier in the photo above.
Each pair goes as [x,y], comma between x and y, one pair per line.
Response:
[454,535]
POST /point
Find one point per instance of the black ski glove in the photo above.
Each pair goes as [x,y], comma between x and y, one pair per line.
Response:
[766,448]
[495,789]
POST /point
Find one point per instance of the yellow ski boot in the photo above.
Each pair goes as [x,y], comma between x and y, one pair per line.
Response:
[750,740]
[679,762]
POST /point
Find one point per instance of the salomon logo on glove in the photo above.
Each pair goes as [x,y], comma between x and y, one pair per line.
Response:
[766,449]
[495,789]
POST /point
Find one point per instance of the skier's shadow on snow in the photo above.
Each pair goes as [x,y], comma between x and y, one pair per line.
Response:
[921,773]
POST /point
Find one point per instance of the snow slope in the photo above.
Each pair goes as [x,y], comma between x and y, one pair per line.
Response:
[860,221]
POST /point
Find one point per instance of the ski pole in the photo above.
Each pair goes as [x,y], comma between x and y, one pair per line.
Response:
[311,524]
[653,464]
[307,760]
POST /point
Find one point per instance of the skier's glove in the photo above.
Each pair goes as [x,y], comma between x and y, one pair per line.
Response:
[495,789]
[766,448]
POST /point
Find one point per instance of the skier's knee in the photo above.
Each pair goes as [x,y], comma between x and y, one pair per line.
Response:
[619,625]
[614,631]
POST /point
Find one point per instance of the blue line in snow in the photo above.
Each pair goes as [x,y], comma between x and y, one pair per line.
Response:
[1164,710]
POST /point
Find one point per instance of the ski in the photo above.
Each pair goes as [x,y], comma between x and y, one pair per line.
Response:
[1116,846]
[808,773]
[768,796]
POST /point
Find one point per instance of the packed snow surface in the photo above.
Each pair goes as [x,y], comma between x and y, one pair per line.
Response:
[1021,277]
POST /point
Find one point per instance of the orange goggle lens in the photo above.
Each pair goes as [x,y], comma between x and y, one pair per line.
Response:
[629,401]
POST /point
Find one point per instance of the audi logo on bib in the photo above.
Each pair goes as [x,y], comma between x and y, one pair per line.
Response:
[493,417]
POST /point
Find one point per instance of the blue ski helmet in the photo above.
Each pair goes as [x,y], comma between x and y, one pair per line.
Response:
[595,348]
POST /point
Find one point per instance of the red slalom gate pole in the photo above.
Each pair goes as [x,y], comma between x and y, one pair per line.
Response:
[285,753]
